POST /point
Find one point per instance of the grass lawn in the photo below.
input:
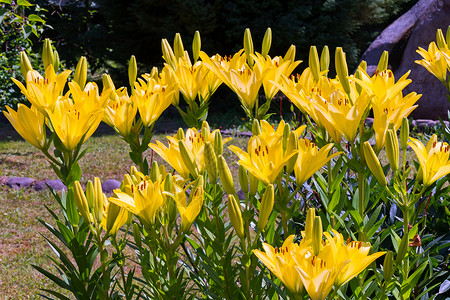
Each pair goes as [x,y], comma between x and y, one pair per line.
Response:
[21,243]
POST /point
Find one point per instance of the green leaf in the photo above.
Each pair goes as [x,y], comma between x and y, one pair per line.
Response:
[35,18]
[24,3]
[27,30]
[5,1]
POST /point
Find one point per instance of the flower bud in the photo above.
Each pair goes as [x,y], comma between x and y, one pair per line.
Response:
[388,266]
[404,133]
[383,62]
[47,53]
[137,235]
[286,133]
[107,82]
[56,61]
[374,164]
[403,248]
[266,207]
[154,171]
[314,63]
[291,146]
[196,46]
[267,42]
[309,223]
[248,46]
[188,159]
[154,73]
[325,59]
[235,215]
[210,162]
[90,195]
[180,134]
[440,40]
[256,129]
[225,175]
[317,234]
[205,129]
[178,47]
[290,54]
[25,64]
[447,36]
[168,54]
[81,202]
[392,150]
[132,71]
[358,75]
[99,200]
[218,143]
[253,182]
[341,69]
[126,184]
[80,75]
[243,179]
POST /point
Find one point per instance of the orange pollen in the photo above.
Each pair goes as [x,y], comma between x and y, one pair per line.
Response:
[313,262]
[434,144]
[348,240]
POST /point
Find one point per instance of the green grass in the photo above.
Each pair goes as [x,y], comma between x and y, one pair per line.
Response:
[21,241]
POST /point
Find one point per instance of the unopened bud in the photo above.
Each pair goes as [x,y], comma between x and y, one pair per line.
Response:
[218,143]
[132,71]
[309,223]
[314,63]
[342,69]
[447,36]
[126,184]
[205,129]
[90,195]
[137,235]
[267,42]
[402,248]
[25,64]
[388,266]
[248,46]
[358,75]
[256,129]
[196,46]
[292,145]
[235,214]
[243,179]
[99,201]
[440,40]
[56,61]
[81,202]
[383,62]
[404,133]
[107,82]
[325,59]
[317,235]
[112,218]
[80,75]
[363,65]
[47,53]
[154,171]
[168,54]
[210,162]
[253,182]
[188,159]
[286,133]
[290,54]
[180,134]
[392,150]
[374,164]
[225,175]
[266,207]
[178,47]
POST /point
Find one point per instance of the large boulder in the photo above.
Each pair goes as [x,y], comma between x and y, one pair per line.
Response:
[416,28]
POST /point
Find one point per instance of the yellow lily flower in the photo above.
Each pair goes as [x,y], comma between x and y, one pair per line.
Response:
[145,201]
[271,70]
[238,76]
[283,261]
[356,253]
[188,212]
[114,217]
[120,113]
[43,92]
[310,159]
[195,143]
[433,158]
[436,62]
[188,77]
[262,160]
[29,123]
[210,83]
[271,136]
[152,98]
[71,122]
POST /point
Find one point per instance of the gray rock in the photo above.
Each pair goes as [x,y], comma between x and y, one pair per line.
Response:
[19,182]
[55,184]
[110,185]
[433,103]
[394,37]
[241,194]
